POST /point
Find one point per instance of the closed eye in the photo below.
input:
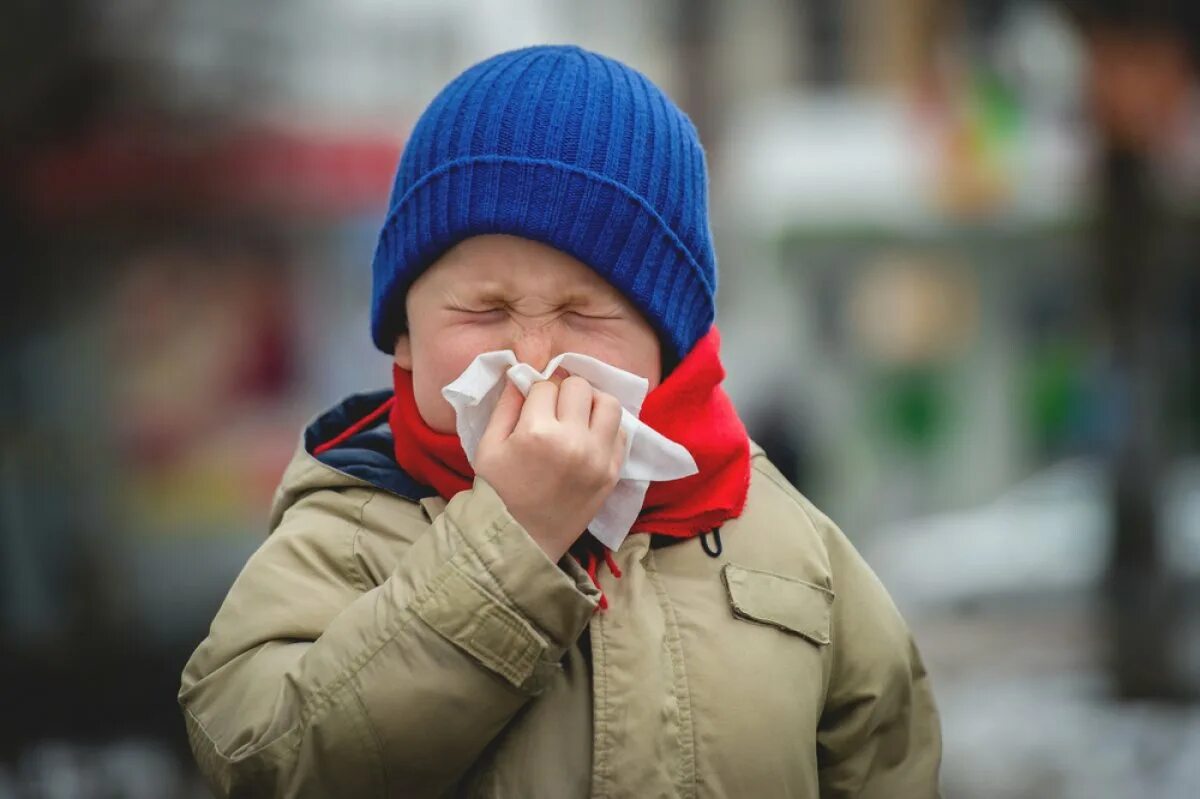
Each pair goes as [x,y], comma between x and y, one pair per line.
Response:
[482,314]
[592,316]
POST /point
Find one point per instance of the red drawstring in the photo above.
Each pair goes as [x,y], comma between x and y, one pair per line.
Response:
[591,572]
[593,563]
[356,428]
[611,562]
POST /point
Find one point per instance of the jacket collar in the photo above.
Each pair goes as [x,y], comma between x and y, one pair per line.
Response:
[369,454]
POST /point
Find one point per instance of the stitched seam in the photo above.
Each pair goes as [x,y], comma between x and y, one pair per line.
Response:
[600,720]
[242,759]
[373,736]
[811,638]
[507,668]
[556,164]
[675,651]
[740,611]
[828,592]
[495,530]
[518,670]
[358,579]
[208,754]
[501,524]
[205,751]
[496,583]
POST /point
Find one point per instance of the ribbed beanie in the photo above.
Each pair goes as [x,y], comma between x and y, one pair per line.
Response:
[566,147]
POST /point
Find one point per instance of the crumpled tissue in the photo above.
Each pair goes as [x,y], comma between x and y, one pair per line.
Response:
[649,455]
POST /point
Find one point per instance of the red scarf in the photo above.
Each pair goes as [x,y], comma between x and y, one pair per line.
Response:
[688,407]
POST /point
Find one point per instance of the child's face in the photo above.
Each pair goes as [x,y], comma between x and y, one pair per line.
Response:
[507,293]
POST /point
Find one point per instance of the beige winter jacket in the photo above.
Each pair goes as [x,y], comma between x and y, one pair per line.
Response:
[379,646]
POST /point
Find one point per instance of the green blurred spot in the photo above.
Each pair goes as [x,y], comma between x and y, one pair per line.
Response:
[911,407]
[1054,395]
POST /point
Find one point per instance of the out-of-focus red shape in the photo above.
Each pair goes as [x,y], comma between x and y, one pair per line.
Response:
[136,167]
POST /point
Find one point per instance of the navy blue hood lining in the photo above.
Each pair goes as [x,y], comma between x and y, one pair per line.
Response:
[369,455]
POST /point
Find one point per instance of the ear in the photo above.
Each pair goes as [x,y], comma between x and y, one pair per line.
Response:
[402,353]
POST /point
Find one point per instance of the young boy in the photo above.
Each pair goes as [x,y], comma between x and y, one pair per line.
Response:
[414,626]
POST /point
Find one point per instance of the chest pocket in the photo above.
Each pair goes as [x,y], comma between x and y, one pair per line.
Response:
[792,605]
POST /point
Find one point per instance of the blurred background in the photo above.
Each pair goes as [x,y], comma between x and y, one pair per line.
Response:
[960,302]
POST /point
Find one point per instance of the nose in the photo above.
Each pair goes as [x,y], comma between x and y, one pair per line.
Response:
[534,345]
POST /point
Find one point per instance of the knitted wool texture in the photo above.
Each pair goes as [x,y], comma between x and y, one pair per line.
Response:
[569,148]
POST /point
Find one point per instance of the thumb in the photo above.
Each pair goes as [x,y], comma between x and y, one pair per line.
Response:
[505,416]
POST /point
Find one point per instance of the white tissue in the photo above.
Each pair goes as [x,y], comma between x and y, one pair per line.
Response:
[648,455]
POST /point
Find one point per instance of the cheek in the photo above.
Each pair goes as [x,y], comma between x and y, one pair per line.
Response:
[437,360]
[444,351]
[646,362]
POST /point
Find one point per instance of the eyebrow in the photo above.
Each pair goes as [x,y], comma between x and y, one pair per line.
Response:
[492,296]
[488,292]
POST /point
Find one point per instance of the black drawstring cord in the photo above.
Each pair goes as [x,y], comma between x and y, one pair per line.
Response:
[716,534]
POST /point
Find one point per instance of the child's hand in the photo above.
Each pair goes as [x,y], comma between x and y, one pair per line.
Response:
[553,457]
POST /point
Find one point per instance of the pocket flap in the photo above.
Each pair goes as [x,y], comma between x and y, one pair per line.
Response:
[787,603]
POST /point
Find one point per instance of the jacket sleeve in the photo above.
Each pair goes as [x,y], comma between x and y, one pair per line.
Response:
[879,736]
[314,681]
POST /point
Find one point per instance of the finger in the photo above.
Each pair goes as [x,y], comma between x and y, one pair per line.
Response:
[606,415]
[506,415]
[540,403]
[575,401]
[618,453]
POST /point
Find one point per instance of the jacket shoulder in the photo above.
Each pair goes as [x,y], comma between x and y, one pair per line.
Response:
[782,529]
[361,506]
[779,530]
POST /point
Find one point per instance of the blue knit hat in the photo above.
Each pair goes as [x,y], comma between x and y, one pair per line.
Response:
[569,148]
